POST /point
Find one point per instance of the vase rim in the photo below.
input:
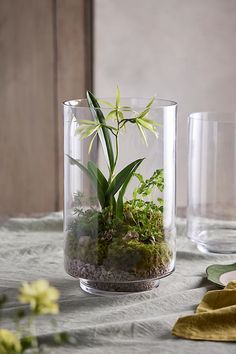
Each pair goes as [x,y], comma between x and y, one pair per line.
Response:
[214,116]
[140,102]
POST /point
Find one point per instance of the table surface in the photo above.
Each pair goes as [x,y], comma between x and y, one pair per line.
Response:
[137,323]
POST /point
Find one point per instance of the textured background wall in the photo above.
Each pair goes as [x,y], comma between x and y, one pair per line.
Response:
[179,49]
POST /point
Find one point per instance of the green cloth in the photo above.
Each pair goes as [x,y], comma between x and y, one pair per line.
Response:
[215,317]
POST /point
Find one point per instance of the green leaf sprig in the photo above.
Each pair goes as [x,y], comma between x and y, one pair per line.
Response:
[146,187]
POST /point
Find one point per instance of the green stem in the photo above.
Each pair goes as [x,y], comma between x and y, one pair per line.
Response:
[117,151]
[109,128]
[32,330]
[116,141]
[116,147]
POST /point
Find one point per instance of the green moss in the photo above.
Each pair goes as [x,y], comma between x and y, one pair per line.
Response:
[136,244]
[137,257]
[146,219]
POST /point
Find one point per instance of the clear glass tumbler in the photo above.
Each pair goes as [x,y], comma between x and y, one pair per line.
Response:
[211,212]
[119,184]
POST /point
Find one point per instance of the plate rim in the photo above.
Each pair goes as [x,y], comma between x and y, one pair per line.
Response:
[219,269]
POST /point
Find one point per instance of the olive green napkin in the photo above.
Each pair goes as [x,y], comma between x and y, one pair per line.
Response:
[215,317]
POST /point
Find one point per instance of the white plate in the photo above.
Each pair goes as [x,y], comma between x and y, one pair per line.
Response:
[226,278]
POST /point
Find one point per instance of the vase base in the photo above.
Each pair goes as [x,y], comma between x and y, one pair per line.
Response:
[118,288]
[216,249]
[221,241]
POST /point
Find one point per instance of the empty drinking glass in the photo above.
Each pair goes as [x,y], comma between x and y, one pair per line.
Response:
[211,212]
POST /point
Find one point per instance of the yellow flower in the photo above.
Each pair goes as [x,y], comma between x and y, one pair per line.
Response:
[9,343]
[41,297]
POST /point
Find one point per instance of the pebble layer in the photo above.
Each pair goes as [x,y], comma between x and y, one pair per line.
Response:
[100,278]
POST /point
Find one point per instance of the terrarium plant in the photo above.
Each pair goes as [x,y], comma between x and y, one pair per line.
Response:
[113,241]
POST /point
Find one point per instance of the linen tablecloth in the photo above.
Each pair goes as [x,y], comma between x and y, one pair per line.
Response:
[135,323]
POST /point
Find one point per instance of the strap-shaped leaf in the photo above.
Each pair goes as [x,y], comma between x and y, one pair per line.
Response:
[93,177]
[151,102]
[109,104]
[105,136]
[117,96]
[80,165]
[120,178]
[142,133]
[120,204]
[102,183]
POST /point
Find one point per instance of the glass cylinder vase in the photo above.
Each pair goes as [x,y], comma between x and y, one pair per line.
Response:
[211,215]
[119,185]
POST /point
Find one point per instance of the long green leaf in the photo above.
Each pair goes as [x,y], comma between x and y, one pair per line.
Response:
[144,113]
[147,126]
[93,177]
[91,143]
[105,136]
[80,165]
[102,185]
[117,96]
[142,133]
[87,122]
[120,178]
[151,102]
[100,176]
[85,130]
[111,114]
[109,104]
[120,204]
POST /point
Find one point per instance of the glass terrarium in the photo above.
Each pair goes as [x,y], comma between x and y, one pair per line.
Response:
[119,214]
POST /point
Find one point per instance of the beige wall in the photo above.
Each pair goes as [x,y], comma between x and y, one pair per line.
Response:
[45,59]
[183,50]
